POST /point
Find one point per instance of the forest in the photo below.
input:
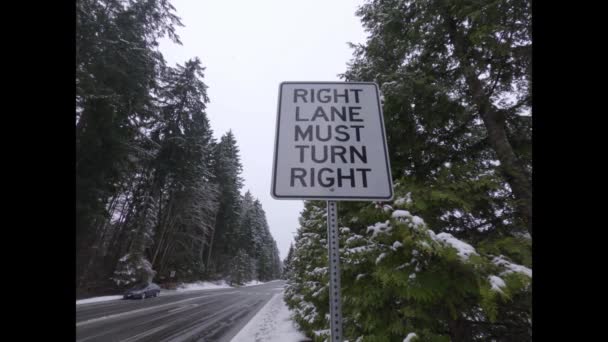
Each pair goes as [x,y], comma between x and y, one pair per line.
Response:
[157,196]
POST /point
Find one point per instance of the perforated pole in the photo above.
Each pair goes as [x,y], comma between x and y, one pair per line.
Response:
[333,247]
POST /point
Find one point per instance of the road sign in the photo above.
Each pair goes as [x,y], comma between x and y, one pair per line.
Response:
[330,143]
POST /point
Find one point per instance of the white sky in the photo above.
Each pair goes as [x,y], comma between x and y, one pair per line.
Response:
[248,48]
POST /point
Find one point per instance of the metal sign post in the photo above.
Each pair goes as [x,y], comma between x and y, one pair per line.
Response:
[333,248]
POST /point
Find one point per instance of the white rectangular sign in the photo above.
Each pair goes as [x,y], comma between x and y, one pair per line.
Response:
[330,143]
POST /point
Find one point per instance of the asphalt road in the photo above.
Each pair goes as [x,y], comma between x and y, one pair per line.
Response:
[204,315]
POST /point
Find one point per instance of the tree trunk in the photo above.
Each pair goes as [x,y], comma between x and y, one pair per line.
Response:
[168,222]
[459,330]
[511,168]
[211,240]
[161,229]
[164,255]
[201,251]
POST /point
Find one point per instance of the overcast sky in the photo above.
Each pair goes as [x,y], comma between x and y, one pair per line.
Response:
[248,48]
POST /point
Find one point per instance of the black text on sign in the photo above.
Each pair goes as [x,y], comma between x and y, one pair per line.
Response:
[330,143]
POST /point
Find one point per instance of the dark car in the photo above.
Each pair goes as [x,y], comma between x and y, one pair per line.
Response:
[142,291]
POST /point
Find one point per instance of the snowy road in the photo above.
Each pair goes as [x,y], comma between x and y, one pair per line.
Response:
[206,315]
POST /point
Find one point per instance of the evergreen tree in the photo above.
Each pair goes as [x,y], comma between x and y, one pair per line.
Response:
[117,63]
[277,264]
[399,277]
[287,263]
[188,195]
[227,172]
[455,76]
[246,235]
[253,236]
[306,292]
[264,243]
[453,262]
[171,215]
[240,270]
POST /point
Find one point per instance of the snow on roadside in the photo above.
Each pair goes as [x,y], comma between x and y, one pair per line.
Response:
[203,285]
[254,283]
[200,285]
[271,324]
[97,299]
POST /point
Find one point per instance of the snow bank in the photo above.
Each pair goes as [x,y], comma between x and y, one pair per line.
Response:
[271,324]
[203,285]
[97,299]
[254,283]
